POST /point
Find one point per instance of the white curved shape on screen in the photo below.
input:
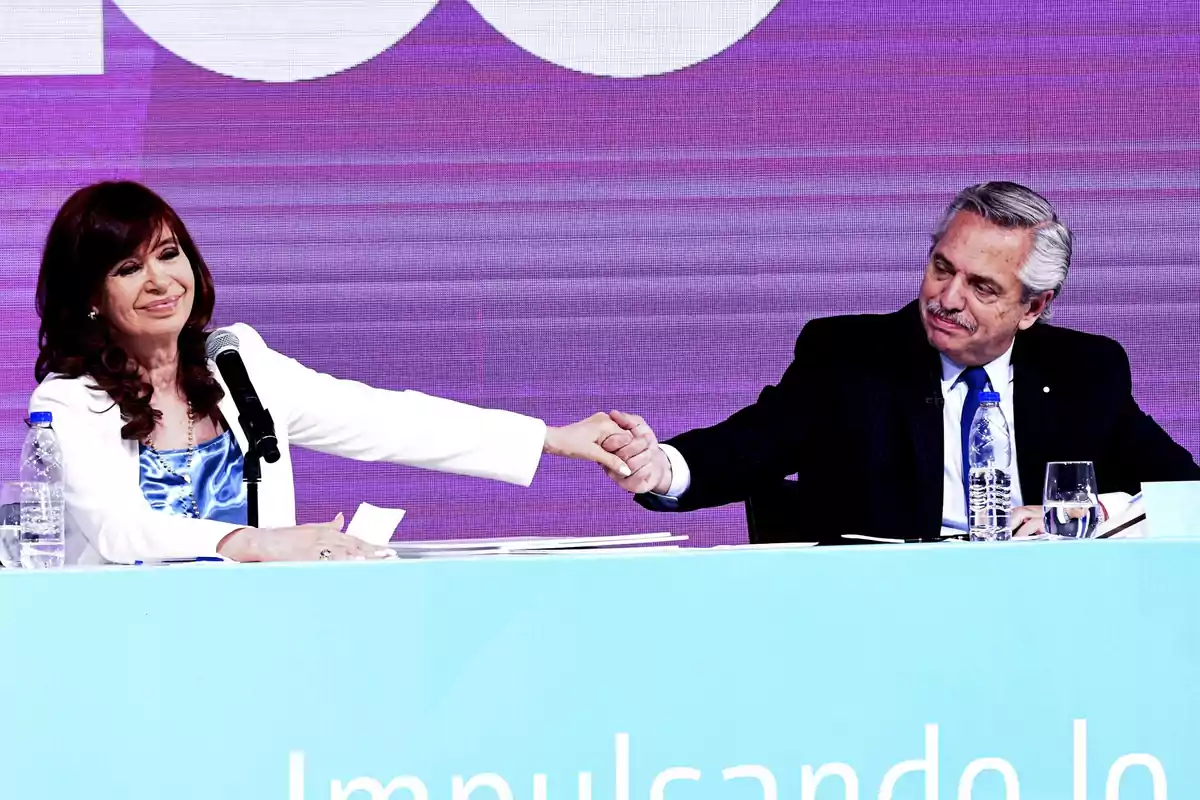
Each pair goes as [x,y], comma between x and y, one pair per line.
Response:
[276,40]
[624,38]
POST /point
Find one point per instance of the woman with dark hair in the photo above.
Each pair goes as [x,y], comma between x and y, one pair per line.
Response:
[151,445]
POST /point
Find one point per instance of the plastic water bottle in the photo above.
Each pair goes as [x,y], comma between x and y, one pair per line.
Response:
[990,459]
[43,540]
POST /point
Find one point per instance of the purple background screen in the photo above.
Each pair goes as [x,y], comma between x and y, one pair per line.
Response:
[464,218]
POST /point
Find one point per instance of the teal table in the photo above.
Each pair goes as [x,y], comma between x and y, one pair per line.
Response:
[1063,671]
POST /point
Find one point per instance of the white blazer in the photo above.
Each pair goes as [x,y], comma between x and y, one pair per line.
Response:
[109,520]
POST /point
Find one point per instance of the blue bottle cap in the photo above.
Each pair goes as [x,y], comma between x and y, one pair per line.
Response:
[989,397]
[41,417]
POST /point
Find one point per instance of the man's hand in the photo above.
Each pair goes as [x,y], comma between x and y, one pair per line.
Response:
[1026,521]
[648,464]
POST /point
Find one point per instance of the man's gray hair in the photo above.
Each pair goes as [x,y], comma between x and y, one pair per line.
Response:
[1011,205]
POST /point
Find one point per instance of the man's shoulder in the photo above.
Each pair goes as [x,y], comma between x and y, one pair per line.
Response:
[1070,343]
[1097,359]
[859,321]
[850,330]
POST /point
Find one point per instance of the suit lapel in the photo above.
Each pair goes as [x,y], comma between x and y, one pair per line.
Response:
[1034,401]
[921,390]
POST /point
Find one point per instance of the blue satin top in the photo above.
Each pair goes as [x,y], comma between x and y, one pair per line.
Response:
[216,475]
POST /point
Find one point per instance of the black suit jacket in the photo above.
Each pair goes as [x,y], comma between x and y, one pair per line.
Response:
[858,418]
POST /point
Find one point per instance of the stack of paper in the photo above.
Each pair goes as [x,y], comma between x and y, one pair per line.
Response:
[377,525]
[537,545]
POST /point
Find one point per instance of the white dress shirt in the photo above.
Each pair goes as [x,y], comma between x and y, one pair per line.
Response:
[954,393]
[954,502]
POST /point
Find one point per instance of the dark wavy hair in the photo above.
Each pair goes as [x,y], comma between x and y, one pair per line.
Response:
[99,226]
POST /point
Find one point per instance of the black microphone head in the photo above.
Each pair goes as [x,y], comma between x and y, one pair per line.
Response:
[220,341]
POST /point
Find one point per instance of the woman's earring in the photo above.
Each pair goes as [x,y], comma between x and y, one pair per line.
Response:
[93,314]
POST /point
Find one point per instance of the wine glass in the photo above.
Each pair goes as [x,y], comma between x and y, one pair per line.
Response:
[10,524]
[1070,502]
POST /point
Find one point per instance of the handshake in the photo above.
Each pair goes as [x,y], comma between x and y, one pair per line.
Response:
[623,444]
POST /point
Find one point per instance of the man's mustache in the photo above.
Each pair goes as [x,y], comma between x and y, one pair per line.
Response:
[959,318]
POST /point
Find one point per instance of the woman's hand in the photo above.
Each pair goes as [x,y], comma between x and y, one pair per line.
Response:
[650,465]
[1026,521]
[583,440]
[314,542]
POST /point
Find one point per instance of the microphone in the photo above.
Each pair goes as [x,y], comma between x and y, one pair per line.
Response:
[222,347]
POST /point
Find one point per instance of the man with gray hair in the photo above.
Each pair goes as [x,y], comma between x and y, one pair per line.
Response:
[870,414]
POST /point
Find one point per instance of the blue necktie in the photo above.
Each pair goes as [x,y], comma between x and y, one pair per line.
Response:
[976,380]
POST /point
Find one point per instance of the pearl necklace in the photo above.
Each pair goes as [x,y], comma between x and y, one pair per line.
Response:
[191,454]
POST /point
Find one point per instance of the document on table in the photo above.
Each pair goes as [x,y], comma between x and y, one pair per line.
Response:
[376,525]
[536,545]
[373,524]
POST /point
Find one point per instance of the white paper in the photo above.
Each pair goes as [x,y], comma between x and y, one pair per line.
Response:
[765,546]
[884,540]
[592,551]
[511,543]
[374,525]
[535,545]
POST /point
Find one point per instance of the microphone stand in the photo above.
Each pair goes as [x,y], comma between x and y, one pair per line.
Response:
[261,445]
[252,474]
